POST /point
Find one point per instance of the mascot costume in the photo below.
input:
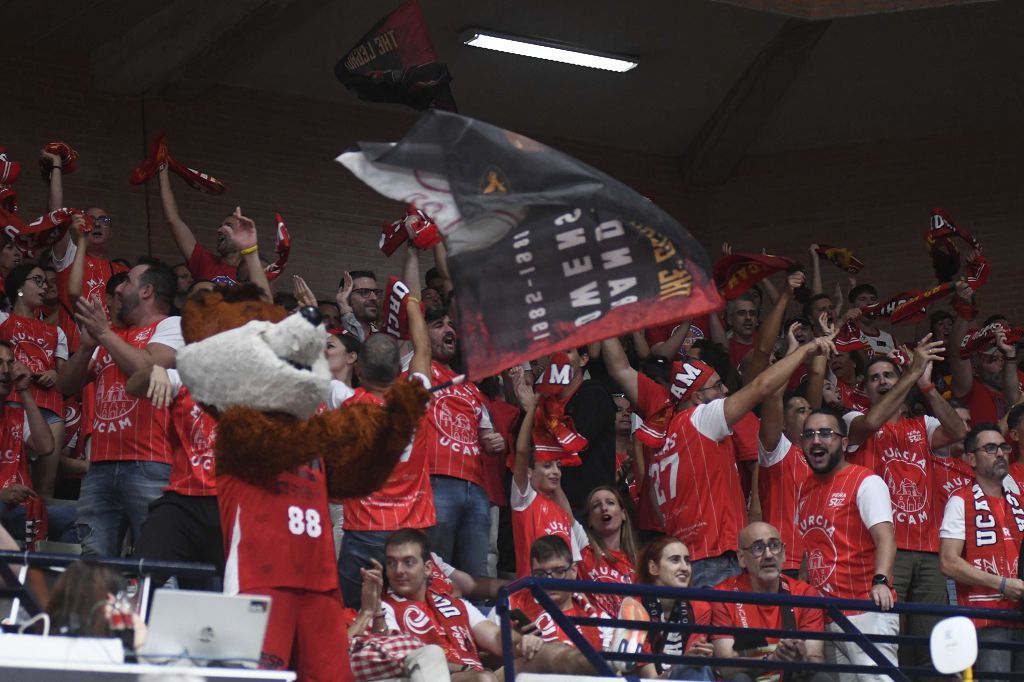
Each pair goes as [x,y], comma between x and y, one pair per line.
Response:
[263,375]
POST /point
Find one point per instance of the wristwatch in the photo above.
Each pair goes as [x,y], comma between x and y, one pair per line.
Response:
[880,579]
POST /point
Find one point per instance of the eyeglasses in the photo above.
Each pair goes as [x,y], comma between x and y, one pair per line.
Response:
[717,386]
[103,220]
[758,547]
[39,280]
[552,573]
[824,434]
[368,292]
[993,448]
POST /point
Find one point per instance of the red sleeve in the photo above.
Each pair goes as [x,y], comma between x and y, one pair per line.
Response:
[744,437]
[658,334]
[651,398]
[701,616]
[721,615]
[201,263]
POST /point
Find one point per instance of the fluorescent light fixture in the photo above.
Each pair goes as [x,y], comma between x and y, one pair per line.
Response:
[538,49]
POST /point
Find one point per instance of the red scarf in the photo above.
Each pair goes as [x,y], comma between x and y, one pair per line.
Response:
[416,224]
[841,257]
[42,232]
[554,433]
[911,309]
[849,338]
[986,336]
[282,246]
[68,159]
[737,272]
[159,158]
[9,172]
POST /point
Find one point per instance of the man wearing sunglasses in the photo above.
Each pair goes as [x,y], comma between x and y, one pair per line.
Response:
[844,516]
[980,542]
[762,555]
[358,301]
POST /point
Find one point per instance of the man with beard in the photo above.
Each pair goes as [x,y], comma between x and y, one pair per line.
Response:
[130,449]
[981,535]
[357,301]
[900,449]
[844,516]
[453,434]
[762,555]
[221,268]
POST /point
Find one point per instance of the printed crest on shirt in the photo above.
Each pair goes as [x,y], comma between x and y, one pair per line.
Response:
[821,564]
[449,412]
[112,402]
[837,500]
[416,621]
[202,456]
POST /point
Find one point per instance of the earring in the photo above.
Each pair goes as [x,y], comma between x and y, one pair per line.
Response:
[21,293]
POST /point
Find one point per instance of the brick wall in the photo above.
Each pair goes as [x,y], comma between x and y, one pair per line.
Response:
[276,154]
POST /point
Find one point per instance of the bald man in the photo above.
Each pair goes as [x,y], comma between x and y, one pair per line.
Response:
[761,556]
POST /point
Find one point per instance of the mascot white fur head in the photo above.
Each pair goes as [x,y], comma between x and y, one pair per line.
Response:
[267,366]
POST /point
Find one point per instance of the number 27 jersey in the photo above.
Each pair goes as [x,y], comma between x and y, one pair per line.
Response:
[278,535]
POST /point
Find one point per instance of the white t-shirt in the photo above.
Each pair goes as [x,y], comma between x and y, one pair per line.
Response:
[883,344]
[954,525]
[770,459]
[709,420]
[873,501]
[521,499]
[167,333]
[340,392]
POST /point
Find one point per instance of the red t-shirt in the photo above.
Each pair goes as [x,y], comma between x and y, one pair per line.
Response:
[449,433]
[697,483]
[833,516]
[98,272]
[193,434]
[36,346]
[725,614]
[405,501]
[700,328]
[287,519]
[124,427]
[950,475]
[744,435]
[504,418]
[616,568]
[653,402]
[900,453]
[985,403]
[204,265]
[780,474]
[535,516]
[13,463]
[549,631]
[738,350]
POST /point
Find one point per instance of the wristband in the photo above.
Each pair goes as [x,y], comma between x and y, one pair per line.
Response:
[1002,586]
[413,298]
[927,388]
[251,249]
[965,309]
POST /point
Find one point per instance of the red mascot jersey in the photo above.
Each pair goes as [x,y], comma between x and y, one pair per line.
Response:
[288,520]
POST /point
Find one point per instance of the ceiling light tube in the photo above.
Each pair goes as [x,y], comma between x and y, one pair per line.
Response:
[538,49]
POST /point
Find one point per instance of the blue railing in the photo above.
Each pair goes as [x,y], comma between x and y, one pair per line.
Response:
[832,607]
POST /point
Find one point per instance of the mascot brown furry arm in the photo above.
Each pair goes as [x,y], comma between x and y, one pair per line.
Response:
[360,444]
[263,375]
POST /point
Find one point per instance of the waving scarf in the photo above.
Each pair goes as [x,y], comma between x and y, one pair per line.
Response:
[159,158]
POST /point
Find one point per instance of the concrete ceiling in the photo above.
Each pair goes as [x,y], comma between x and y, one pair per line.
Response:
[718,79]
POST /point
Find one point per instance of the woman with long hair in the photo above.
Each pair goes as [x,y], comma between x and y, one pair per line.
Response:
[608,545]
[665,562]
[87,602]
[10,258]
[43,348]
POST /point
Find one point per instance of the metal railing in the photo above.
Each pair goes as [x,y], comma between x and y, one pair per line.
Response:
[13,586]
[834,609]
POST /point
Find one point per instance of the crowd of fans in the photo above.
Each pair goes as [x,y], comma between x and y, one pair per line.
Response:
[742,451]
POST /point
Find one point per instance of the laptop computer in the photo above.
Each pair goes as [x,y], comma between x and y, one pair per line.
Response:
[206,627]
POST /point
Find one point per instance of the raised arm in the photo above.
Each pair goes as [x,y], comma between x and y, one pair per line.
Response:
[181,232]
[55,198]
[669,348]
[245,240]
[524,440]
[76,273]
[963,374]
[953,428]
[769,332]
[1011,384]
[619,369]
[816,287]
[862,427]
[441,262]
[771,380]
[419,336]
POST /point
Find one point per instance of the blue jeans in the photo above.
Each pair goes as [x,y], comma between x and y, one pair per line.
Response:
[60,520]
[112,492]
[462,533]
[357,548]
[713,570]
